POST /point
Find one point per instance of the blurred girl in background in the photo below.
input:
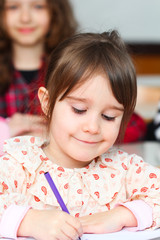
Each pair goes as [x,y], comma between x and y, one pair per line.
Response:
[29,30]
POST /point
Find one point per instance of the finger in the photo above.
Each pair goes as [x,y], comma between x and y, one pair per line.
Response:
[33,119]
[36,118]
[69,232]
[37,126]
[76,224]
[38,131]
[62,235]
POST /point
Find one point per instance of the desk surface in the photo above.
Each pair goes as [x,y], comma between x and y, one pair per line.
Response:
[124,234]
[127,235]
[149,151]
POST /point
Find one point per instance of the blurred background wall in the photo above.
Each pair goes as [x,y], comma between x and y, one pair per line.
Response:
[138,22]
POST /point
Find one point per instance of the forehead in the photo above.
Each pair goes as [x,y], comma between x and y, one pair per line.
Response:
[92,85]
[91,78]
[96,91]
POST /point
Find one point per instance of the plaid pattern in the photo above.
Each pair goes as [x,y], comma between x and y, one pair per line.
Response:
[21,96]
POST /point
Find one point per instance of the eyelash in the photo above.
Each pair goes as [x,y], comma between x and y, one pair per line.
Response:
[79,111]
[108,118]
[12,7]
[37,6]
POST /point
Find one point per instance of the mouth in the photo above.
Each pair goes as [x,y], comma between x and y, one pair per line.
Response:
[87,141]
[26,30]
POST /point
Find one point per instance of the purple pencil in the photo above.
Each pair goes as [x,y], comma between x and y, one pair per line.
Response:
[56,193]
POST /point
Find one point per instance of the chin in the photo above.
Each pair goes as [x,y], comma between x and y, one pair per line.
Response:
[84,159]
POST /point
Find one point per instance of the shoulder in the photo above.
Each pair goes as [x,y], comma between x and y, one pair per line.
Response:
[118,158]
[25,150]
[24,142]
[113,155]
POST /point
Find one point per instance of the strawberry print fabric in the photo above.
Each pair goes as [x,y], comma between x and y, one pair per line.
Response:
[115,177]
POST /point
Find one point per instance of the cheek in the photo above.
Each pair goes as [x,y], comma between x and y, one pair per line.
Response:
[8,22]
[56,129]
[44,21]
[59,122]
[111,131]
[64,126]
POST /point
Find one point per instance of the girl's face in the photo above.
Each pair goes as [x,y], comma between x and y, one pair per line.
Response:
[26,21]
[85,124]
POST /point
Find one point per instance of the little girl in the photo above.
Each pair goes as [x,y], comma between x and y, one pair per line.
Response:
[29,29]
[89,97]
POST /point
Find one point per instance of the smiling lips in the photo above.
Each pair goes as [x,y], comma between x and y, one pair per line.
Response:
[88,142]
[26,30]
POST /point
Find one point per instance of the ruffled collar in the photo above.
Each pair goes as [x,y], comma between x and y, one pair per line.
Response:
[92,181]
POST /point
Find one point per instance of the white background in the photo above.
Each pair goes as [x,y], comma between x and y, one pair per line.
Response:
[136,20]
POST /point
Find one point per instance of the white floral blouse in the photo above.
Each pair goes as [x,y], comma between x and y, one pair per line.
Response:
[115,177]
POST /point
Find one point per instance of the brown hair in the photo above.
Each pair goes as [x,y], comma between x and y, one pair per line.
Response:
[62,26]
[77,58]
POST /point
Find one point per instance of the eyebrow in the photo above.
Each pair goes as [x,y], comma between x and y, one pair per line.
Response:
[84,100]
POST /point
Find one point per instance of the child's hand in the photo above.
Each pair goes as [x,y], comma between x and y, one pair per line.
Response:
[50,225]
[26,124]
[111,221]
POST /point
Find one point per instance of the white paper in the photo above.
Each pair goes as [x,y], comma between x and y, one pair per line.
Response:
[122,235]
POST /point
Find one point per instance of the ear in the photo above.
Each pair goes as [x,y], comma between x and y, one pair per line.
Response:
[44,99]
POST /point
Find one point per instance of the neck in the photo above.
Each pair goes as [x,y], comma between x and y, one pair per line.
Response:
[27,58]
[64,161]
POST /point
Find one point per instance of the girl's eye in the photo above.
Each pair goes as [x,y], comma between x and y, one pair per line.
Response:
[40,6]
[78,111]
[108,118]
[11,7]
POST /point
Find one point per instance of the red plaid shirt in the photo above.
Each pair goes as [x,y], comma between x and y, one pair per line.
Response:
[22,96]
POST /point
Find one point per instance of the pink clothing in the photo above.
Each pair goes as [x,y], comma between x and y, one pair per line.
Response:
[113,178]
[4,133]
[12,217]
[142,212]
[14,214]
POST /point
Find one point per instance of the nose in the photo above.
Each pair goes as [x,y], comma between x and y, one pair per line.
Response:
[25,14]
[92,125]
